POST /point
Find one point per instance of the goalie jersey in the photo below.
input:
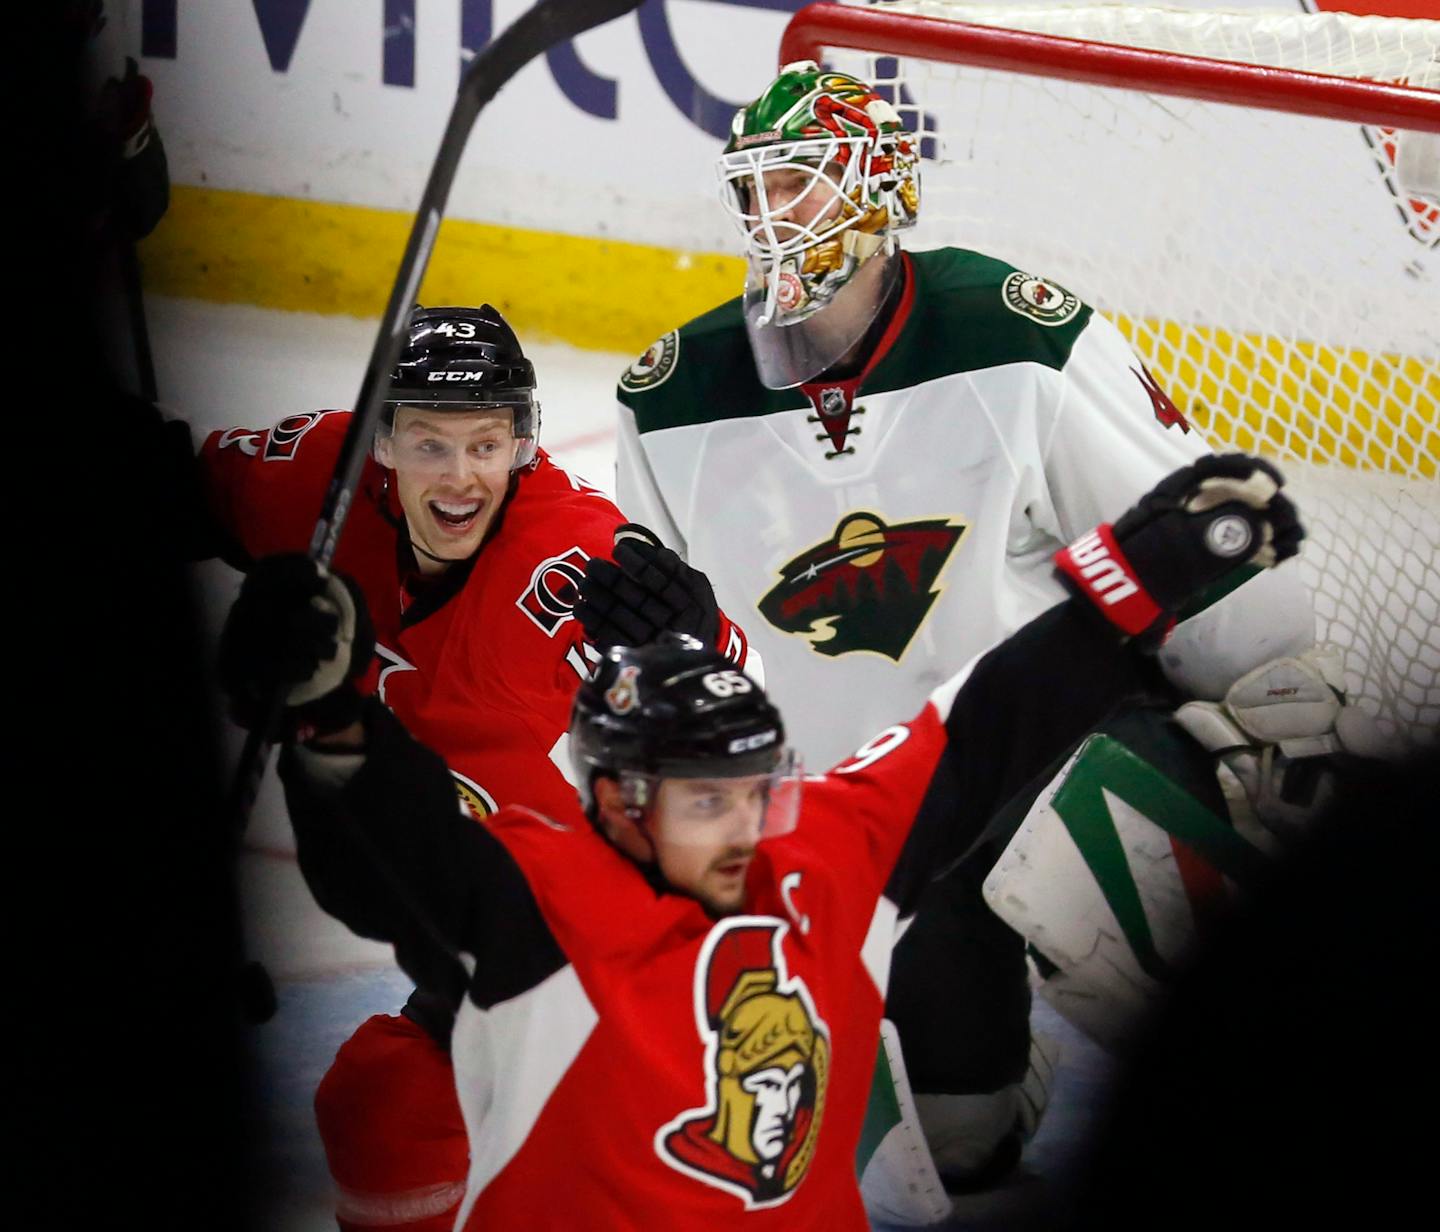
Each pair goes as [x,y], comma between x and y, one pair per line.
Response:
[875,535]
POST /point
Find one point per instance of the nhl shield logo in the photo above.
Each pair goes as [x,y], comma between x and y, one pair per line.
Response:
[833,402]
[869,587]
[767,1063]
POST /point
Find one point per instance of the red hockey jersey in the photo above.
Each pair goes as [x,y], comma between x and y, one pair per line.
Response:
[623,1060]
[699,1070]
[481,665]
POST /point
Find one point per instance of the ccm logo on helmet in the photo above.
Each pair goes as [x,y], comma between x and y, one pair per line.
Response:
[745,744]
[554,587]
[455,376]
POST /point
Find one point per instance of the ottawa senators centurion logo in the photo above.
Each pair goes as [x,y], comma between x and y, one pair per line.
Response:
[767,1060]
[869,587]
[476,801]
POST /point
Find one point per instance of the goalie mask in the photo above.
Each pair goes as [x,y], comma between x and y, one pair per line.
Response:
[466,359]
[820,175]
[674,709]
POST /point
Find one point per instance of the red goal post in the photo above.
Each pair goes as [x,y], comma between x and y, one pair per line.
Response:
[879,30]
[1224,187]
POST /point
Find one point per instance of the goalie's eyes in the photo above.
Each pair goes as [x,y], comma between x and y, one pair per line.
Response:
[782,187]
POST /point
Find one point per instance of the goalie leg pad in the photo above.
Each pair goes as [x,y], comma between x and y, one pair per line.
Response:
[976,1139]
[898,1180]
[1113,875]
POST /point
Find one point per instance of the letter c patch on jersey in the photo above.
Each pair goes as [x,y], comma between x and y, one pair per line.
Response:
[550,598]
[766,1066]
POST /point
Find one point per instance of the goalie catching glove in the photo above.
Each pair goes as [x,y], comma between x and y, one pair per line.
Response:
[646,591]
[300,633]
[1194,527]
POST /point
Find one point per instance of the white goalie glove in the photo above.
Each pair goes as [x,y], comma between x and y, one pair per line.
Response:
[1277,729]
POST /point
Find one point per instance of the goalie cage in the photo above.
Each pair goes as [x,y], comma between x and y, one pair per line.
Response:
[1246,230]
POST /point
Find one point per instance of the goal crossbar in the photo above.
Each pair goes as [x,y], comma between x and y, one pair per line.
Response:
[880,31]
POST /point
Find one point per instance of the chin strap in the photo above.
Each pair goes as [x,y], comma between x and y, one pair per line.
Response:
[398,523]
[439,560]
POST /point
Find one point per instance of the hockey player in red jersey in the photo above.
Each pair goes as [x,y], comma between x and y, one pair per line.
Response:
[465,543]
[670,1001]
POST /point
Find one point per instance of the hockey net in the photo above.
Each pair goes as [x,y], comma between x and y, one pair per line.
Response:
[1264,261]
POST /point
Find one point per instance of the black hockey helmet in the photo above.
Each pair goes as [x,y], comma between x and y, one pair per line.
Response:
[674,709]
[460,359]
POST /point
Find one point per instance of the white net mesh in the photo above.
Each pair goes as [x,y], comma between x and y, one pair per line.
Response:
[1266,266]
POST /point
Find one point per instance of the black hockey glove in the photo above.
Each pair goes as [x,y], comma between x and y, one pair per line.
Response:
[1192,529]
[647,590]
[140,187]
[300,633]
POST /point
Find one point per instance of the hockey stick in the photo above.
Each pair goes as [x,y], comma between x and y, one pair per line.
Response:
[548,23]
[542,27]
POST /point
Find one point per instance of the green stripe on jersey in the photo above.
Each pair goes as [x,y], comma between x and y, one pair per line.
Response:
[969,314]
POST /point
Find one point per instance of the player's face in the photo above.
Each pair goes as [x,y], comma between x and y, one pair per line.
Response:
[452,470]
[797,195]
[704,833]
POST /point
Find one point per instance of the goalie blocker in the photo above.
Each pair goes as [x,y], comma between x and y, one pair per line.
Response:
[1118,867]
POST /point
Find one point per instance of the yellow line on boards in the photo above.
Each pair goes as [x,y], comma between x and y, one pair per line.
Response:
[1247,391]
[316,256]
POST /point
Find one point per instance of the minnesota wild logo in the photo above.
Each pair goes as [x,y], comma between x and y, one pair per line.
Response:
[1039,299]
[654,366]
[868,587]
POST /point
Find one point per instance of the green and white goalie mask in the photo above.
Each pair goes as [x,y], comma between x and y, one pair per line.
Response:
[819,175]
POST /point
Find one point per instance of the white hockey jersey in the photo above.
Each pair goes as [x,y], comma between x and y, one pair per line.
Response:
[877,534]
